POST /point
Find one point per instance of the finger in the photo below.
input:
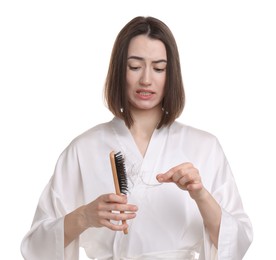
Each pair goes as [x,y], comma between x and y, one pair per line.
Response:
[195,186]
[116,226]
[168,176]
[114,198]
[116,221]
[121,207]
[189,177]
[165,177]
[119,216]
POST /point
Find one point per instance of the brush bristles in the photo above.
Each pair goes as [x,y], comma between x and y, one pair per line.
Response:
[121,172]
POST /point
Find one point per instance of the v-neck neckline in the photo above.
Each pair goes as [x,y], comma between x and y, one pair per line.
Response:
[126,138]
[136,164]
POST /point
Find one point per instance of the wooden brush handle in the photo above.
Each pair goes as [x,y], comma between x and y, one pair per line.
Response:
[114,172]
[116,181]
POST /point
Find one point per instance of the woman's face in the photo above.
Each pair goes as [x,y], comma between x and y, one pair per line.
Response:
[146,73]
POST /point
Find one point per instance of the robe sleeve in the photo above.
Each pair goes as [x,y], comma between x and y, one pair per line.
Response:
[45,240]
[235,235]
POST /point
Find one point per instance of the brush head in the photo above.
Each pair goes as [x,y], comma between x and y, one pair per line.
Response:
[121,172]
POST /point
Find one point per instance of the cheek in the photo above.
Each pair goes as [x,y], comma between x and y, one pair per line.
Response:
[129,80]
[162,84]
[161,79]
[129,88]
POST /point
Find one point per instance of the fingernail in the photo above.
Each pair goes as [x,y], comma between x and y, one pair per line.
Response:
[160,179]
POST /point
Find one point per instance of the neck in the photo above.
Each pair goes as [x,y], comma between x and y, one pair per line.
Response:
[145,121]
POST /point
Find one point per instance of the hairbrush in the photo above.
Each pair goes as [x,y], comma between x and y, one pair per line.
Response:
[119,175]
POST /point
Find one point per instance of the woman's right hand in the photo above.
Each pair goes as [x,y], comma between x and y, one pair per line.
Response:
[109,210]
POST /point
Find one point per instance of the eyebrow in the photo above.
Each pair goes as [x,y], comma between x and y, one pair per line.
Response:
[142,59]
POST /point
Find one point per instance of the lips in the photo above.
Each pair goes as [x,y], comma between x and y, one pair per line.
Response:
[144,92]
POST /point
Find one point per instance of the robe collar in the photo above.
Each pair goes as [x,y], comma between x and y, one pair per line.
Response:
[138,166]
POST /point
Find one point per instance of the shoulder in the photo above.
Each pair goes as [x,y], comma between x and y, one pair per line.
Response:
[200,146]
[193,139]
[94,131]
[92,136]
[192,133]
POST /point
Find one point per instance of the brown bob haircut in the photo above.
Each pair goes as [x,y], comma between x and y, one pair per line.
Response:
[115,85]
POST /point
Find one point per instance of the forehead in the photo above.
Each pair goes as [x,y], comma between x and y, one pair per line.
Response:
[147,48]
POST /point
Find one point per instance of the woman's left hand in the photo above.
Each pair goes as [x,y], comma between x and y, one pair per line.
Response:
[186,177]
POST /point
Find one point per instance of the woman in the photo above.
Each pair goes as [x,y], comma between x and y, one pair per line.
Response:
[183,202]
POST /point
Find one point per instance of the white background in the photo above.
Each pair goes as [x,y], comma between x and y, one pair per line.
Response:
[53,62]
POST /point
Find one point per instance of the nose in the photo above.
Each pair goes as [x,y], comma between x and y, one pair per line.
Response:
[145,79]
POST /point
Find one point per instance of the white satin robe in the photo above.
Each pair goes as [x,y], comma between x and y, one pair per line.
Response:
[168,224]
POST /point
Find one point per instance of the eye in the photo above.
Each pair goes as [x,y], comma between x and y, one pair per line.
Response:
[159,69]
[134,67]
